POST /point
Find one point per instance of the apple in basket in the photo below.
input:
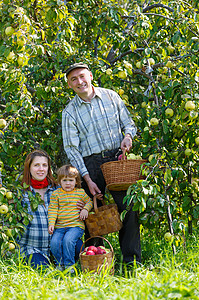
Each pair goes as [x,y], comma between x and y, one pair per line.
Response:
[90,252]
[120,157]
[101,250]
[92,248]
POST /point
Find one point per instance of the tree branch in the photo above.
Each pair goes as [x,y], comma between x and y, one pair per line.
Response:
[157,5]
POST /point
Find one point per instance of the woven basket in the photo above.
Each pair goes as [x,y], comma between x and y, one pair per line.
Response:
[119,175]
[98,262]
[105,219]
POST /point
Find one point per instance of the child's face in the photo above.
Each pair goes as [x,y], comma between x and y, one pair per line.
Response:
[68,183]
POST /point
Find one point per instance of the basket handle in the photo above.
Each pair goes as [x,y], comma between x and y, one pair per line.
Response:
[124,154]
[95,203]
[97,236]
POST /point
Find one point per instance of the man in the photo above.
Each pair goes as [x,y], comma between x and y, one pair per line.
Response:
[95,125]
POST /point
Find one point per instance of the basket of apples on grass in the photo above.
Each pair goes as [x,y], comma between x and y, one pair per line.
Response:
[97,258]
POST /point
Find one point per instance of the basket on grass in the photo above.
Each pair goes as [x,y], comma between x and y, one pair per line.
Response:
[119,175]
[97,262]
[105,219]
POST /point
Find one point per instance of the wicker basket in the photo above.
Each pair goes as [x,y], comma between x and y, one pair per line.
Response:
[98,262]
[105,219]
[119,175]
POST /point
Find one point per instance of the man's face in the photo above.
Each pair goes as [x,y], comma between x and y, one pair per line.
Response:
[80,81]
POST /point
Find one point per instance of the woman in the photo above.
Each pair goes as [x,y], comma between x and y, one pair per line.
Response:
[35,242]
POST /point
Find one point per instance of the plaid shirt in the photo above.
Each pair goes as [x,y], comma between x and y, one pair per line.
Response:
[92,127]
[36,238]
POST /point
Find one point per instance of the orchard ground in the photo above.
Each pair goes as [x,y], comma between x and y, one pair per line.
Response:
[162,276]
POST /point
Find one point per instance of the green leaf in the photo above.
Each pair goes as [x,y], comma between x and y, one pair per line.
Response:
[165,126]
[168,177]
[25,186]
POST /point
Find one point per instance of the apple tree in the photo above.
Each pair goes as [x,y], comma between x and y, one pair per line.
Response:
[146,51]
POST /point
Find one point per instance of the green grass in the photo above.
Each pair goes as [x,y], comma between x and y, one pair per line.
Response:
[162,276]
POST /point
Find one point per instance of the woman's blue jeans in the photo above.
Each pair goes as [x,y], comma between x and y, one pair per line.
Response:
[63,243]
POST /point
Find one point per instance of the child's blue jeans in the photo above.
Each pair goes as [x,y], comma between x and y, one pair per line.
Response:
[63,244]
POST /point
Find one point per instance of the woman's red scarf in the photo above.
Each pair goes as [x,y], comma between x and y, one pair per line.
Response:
[39,184]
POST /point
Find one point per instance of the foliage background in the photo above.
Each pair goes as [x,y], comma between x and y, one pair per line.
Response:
[117,39]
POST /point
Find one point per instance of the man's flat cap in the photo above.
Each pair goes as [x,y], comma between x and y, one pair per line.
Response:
[76,66]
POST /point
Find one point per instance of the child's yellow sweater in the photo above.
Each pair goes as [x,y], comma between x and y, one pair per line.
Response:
[63,211]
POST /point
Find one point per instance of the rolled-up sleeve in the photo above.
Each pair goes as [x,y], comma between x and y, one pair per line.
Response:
[71,142]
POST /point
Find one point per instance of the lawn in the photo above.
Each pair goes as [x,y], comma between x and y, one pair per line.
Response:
[162,276]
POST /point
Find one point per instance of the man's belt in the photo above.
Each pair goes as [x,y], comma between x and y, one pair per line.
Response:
[107,153]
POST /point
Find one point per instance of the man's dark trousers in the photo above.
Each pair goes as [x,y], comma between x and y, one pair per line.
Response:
[129,235]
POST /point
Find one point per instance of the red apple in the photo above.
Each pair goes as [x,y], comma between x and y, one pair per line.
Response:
[101,250]
[92,248]
[120,157]
[90,252]
[102,247]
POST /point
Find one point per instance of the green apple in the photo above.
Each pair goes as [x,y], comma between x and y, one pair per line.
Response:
[170,48]
[121,92]
[197,140]
[11,56]
[9,195]
[173,123]
[169,64]
[20,61]
[127,65]
[2,123]
[11,246]
[20,41]
[138,65]
[3,209]
[122,74]
[9,30]
[151,157]
[154,121]
[143,104]
[151,61]
[190,105]
[193,115]
[169,112]
[3,191]
[109,72]
[188,152]
[47,121]
[168,237]
[131,156]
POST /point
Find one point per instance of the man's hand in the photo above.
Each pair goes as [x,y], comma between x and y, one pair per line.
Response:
[50,229]
[93,188]
[83,214]
[126,143]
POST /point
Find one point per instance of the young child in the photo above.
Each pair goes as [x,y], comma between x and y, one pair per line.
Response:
[66,222]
